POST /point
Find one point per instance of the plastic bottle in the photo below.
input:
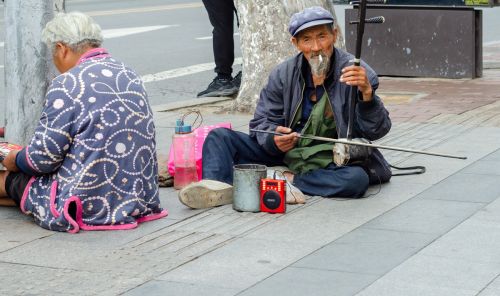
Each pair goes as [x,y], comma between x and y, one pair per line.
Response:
[184,157]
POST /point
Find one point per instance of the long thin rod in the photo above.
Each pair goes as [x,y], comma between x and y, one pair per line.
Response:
[363,144]
[357,62]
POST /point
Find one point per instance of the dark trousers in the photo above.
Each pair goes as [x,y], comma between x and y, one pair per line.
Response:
[224,148]
[221,15]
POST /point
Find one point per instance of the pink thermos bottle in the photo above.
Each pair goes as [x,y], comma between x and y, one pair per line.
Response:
[184,157]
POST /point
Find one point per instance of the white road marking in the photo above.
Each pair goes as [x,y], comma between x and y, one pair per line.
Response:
[146,9]
[204,38]
[114,33]
[210,37]
[179,72]
[491,43]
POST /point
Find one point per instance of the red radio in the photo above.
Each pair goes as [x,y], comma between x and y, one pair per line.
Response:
[272,196]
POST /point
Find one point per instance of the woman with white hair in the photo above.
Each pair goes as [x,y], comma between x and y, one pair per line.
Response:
[92,161]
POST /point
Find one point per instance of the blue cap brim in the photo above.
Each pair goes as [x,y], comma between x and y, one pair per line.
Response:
[312,24]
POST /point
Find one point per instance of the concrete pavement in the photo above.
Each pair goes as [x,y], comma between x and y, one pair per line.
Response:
[431,234]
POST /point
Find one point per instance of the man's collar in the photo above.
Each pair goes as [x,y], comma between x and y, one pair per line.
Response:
[93,53]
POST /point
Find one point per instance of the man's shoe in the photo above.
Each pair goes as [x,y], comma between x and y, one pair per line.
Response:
[206,194]
[237,80]
[294,195]
[219,87]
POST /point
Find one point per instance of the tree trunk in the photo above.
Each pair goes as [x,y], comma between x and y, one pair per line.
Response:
[28,67]
[265,42]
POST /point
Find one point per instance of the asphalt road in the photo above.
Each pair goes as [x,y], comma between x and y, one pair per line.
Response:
[181,40]
[166,36]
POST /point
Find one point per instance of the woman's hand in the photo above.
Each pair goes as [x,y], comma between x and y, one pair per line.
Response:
[10,161]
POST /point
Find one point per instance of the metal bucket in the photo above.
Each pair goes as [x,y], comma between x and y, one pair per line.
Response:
[246,186]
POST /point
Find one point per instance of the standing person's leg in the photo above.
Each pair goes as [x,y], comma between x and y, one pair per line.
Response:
[334,181]
[221,16]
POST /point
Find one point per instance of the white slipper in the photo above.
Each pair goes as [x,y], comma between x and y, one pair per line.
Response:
[206,194]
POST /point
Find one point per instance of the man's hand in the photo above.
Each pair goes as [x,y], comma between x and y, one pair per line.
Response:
[356,76]
[287,142]
[10,161]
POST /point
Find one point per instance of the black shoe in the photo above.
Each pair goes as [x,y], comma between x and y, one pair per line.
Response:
[237,80]
[219,87]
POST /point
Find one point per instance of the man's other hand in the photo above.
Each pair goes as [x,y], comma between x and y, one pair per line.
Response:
[10,161]
[286,142]
[356,76]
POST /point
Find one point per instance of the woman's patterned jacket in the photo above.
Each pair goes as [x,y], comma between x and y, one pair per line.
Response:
[93,156]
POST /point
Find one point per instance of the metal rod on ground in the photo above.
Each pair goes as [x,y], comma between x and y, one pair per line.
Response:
[364,144]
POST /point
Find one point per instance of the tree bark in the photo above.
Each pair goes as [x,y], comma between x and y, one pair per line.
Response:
[265,42]
[28,67]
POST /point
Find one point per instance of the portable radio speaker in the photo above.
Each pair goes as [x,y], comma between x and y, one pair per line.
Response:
[272,196]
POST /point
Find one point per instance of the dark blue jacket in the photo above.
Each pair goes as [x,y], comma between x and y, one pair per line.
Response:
[280,99]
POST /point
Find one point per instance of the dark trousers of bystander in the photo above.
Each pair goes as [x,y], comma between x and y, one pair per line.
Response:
[224,148]
[221,15]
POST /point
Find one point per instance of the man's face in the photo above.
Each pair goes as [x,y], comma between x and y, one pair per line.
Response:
[316,43]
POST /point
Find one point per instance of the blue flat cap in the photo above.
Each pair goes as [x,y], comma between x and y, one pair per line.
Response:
[309,17]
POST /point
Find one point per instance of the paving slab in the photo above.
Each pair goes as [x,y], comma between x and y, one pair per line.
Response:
[494,156]
[437,170]
[21,279]
[12,213]
[464,261]
[161,288]
[412,289]
[467,187]
[305,281]
[434,275]
[367,251]
[485,167]
[240,264]
[426,216]
[490,213]
[476,239]
[492,289]
[17,232]
[116,239]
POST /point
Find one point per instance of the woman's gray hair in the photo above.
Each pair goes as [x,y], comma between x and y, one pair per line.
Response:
[75,29]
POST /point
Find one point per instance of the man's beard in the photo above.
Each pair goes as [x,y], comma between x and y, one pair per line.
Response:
[319,63]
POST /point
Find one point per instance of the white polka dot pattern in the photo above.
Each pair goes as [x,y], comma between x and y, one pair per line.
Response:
[95,141]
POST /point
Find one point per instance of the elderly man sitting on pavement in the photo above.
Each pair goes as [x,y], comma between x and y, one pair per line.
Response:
[308,94]
[92,161]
